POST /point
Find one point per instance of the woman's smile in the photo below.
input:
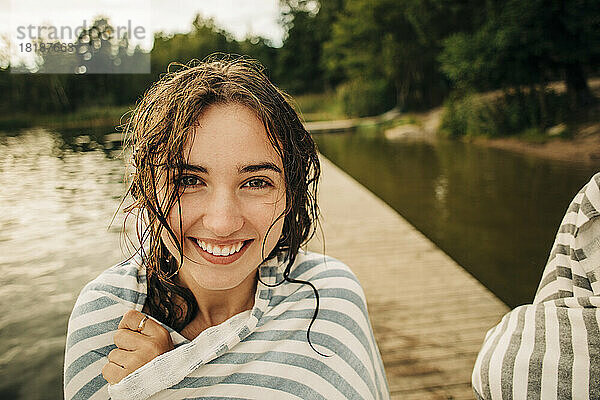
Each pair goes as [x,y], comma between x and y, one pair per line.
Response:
[221,254]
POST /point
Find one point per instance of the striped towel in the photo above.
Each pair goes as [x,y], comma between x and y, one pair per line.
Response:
[259,354]
[551,349]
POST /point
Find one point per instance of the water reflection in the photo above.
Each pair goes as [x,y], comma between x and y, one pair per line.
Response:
[58,195]
[90,140]
[494,212]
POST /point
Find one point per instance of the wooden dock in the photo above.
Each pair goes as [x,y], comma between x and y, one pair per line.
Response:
[428,314]
[345,125]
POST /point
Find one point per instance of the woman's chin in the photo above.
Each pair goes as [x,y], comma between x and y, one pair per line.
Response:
[215,278]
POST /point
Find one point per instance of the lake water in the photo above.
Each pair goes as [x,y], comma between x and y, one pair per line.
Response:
[494,212]
[57,199]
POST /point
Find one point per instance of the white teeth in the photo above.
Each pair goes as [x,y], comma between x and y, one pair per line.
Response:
[220,251]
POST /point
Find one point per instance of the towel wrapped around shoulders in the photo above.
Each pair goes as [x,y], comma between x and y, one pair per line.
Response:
[551,349]
[258,354]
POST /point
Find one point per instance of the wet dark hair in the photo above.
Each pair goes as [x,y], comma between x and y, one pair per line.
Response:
[157,132]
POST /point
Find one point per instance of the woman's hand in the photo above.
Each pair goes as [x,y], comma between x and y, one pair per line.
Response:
[138,340]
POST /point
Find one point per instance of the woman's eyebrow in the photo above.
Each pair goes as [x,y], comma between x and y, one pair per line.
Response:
[196,168]
[267,165]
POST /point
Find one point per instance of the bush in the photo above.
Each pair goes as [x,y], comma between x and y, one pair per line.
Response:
[473,114]
[363,97]
[319,106]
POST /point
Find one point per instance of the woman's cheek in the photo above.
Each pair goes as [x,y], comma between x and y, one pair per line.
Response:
[183,214]
[267,212]
[274,220]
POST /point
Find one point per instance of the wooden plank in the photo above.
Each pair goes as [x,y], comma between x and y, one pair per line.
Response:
[429,315]
[344,125]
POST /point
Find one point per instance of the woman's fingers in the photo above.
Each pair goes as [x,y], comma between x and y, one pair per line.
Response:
[119,357]
[128,340]
[137,326]
[139,340]
[132,319]
[113,373]
[138,322]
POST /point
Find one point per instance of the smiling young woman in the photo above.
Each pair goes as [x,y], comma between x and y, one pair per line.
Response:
[220,300]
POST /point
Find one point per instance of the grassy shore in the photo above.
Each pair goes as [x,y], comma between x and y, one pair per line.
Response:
[313,107]
[84,118]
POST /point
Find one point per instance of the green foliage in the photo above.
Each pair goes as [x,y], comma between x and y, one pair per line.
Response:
[204,39]
[319,106]
[362,97]
[522,46]
[467,61]
[41,94]
[398,41]
[374,54]
[11,122]
[85,117]
[300,63]
[528,43]
[477,115]
[299,69]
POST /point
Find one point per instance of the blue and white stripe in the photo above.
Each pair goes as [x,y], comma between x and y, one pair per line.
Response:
[551,349]
[259,354]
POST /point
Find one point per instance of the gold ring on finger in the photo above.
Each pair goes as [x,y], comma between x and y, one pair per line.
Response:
[142,324]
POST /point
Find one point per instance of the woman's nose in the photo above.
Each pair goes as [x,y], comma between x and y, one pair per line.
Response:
[223,214]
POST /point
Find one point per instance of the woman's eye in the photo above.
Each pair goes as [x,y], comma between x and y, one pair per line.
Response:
[186,181]
[257,184]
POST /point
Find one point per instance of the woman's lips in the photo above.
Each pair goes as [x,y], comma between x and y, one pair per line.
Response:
[221,259]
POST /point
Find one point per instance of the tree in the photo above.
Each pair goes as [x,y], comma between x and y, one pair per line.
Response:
[300,63]
[205,38]
[527,43]
[399,41]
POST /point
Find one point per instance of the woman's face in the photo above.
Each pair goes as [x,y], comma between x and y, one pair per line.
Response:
[232,190]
